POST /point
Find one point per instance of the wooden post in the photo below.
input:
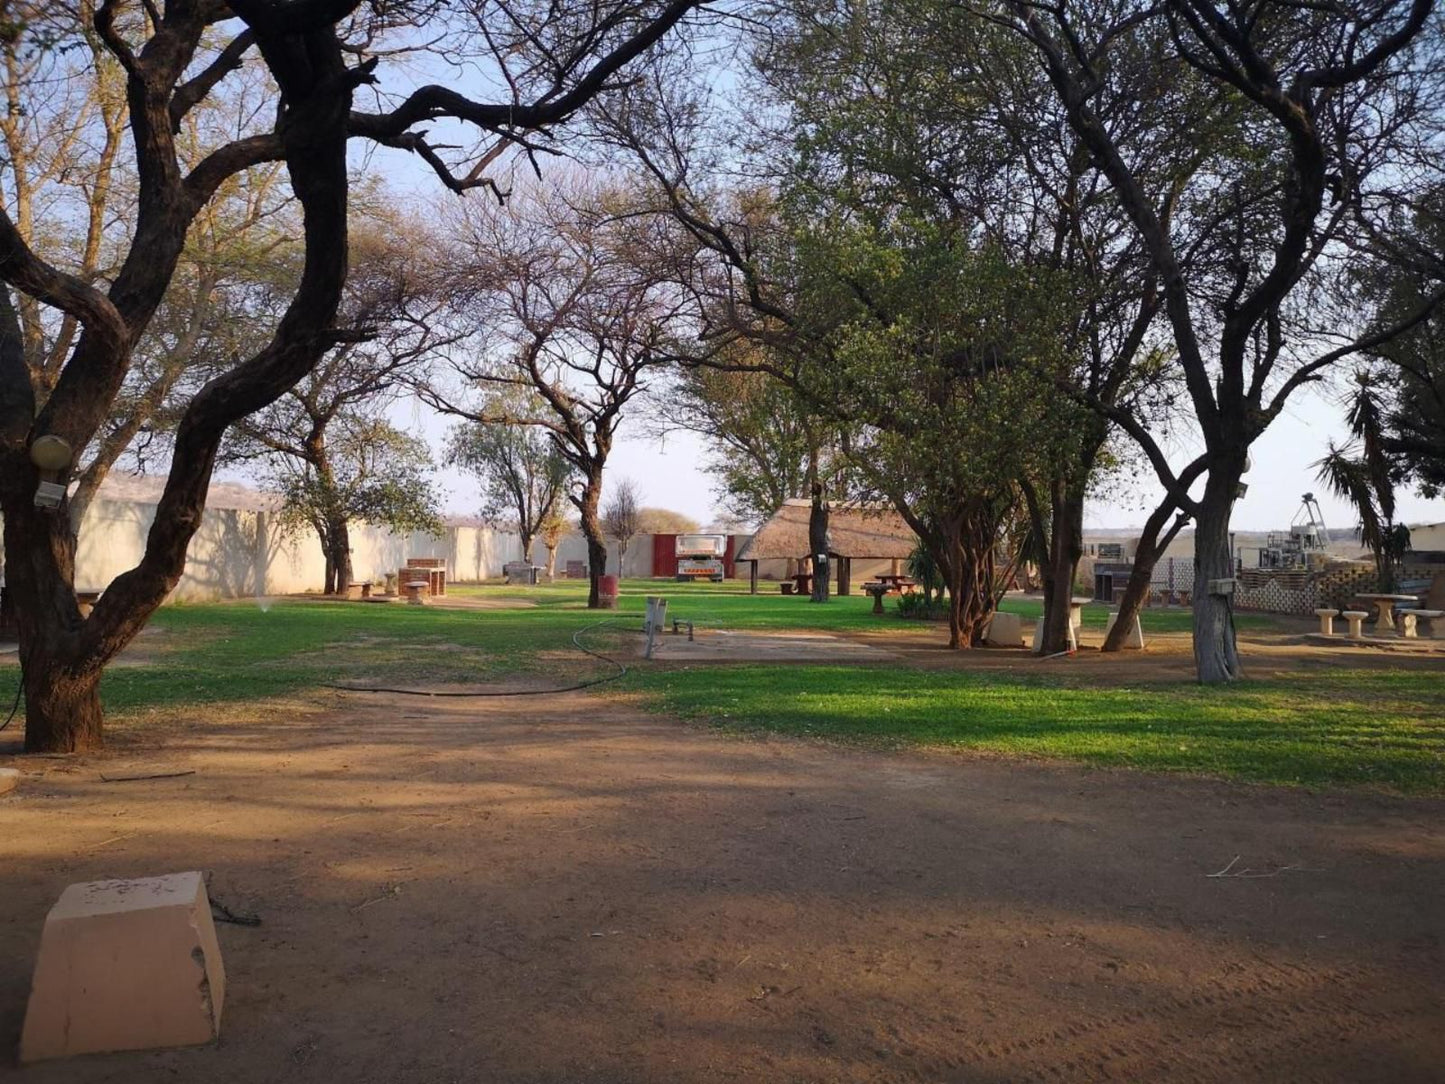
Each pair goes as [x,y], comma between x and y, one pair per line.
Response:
[845,575]
[753,578]
[895,566]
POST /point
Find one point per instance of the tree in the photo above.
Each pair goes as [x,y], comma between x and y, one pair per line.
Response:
[551,60]
[665,521]
[570,316]
[1407,374]
[1322,101]
[367,471]
[763,440]
[1364,473]
[622,518]
[523,477]
[553,527]
[390,309]
[877,136]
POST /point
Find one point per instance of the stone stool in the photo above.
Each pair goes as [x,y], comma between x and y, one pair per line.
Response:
[416,591]
[1134,639]
[125,965]
[1327,620]
[1355,618]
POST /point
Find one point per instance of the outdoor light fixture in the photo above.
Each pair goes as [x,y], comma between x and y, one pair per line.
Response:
[51,454]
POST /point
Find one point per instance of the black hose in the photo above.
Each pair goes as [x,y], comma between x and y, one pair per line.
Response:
[621,672]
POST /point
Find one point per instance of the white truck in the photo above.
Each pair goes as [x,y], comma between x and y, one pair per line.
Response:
[700,557]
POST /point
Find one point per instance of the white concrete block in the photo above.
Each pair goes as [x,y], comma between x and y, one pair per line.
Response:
[9,779]
[1005,630]
[1134,639]
[126,965]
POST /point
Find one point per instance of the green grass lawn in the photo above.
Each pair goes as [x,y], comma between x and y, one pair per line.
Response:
[1382,727]
[1358,726]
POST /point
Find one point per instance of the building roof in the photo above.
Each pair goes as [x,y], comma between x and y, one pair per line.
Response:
[863,531]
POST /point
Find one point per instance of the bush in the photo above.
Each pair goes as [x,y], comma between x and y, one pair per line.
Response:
[916,607]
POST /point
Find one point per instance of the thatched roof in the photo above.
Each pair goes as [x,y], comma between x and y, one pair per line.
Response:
[863,531]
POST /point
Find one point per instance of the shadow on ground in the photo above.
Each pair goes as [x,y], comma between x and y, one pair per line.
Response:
[566,889]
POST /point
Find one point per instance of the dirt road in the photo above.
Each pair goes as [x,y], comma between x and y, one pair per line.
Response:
[567,889]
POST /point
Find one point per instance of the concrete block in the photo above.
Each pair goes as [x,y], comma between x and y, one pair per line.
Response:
[1134,638]
[1005,630]
[126,965]
[9,779]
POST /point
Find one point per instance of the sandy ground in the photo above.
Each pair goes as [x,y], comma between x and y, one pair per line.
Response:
[568,889]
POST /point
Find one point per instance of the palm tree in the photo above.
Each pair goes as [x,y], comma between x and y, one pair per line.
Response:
[1362,472]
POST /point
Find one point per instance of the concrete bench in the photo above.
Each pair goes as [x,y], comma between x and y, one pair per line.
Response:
[1356,619]
[1327,615]
[1409,623]
[1005,630]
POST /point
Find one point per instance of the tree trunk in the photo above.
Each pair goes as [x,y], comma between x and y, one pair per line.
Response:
[551,563]
[1151,547]
[818,544]
[1216,656]
[59,671]
[62,655]
[341,554]
[526,545]
[62,707]
[1066,546]
[596,542]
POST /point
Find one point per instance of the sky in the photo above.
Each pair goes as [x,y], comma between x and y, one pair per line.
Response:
[670,473]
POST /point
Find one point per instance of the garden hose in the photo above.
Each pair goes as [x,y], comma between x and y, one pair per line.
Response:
[621,671]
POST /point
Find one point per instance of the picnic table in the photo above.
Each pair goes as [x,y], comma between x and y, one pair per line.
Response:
[897,582]
[1385,607]
[803,583]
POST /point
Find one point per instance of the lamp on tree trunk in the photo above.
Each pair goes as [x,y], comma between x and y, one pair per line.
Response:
[51,455]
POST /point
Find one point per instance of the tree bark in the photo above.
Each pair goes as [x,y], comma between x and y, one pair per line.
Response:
[1216,655]
[1066,546]
[551,563]
[592,531]
[62,707]
[1146,556]
[818,544]
[340,534]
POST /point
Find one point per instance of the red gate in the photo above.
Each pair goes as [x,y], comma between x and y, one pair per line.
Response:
[664,556]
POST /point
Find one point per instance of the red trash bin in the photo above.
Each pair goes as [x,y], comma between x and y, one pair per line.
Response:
[607,592]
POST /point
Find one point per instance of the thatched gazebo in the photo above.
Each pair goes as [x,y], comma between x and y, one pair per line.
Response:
[856,531]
